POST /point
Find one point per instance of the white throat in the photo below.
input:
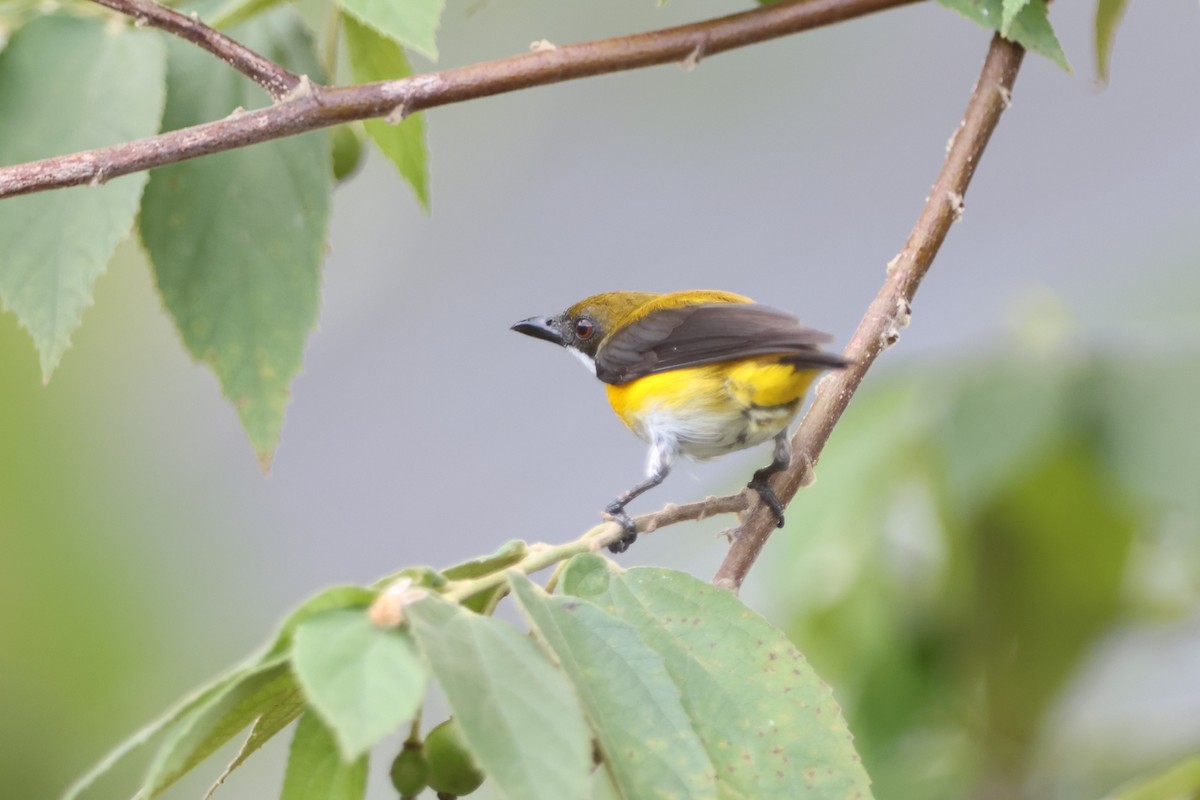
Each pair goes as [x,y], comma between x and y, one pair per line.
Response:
[587,360]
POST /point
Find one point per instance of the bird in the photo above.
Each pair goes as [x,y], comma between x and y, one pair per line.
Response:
[697,373]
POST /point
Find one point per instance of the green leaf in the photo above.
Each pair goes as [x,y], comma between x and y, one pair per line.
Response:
[1011,9]
[1030,27]
[214,722]
[413,23]
[428,577]
[69,84]
[1108,18]
[363,680]
[184,708]
[237,238]
[634,706]
[332,598]
[347,152]
[272,720]
[265,727]
[235,12]
[315,771]
[509,553]
[374,57]
[517,711]
[481,602]
[771,727]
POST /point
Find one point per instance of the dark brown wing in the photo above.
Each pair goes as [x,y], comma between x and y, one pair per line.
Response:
[690,336]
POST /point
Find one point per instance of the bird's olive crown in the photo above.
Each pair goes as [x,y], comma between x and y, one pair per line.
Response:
[586,324]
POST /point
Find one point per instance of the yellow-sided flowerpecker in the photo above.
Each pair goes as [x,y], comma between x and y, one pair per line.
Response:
[695,373]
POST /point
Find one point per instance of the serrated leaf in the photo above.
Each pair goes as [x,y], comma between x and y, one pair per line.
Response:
[1030,28]
[265,728]
[237,238]
[69,84]
[769,724]
[518,713]
[1108,18]
[363,680]
[634,706]
[374,57]
[413,24]
[217,720]
[315,770]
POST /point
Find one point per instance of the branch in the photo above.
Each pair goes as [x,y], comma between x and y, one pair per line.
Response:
[321,107]
[266,73]
[890,311]
[879,330]
[388,608]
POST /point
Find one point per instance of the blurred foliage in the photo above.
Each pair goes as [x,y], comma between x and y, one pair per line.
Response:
[1180,782]
[65,675]
[976,530]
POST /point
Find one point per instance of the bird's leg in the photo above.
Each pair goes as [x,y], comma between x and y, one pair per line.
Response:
[662,454]
[760,484]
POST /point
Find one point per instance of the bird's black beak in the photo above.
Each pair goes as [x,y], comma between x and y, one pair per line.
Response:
[540,328]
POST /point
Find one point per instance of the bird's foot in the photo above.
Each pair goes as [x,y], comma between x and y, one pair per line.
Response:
[617,514]
[759,484]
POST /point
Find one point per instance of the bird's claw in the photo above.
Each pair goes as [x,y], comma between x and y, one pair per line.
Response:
[617,514]
[767,494]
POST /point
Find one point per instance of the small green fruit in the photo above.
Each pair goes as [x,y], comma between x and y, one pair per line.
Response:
[410,770]
[347,151]
[452,771]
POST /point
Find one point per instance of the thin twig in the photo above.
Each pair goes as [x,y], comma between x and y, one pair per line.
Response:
[305,111]
[388,608]
[263,71]
[890,311]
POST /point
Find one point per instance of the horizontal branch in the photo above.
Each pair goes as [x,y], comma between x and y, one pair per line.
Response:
[319,107]
[890,311]
[263,71]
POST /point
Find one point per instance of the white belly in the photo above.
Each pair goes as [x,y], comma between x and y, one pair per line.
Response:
[712,433]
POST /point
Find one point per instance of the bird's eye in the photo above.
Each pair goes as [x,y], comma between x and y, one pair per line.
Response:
[584,328]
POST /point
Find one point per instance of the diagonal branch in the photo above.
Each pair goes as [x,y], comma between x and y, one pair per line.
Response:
[266,73]
[889,312]
[321,107]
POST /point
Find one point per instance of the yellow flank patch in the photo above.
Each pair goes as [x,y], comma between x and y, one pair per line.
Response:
[693,390]
[715,408]
[764,382]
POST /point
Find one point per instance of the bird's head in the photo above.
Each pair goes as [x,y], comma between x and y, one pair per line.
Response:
[583,327]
